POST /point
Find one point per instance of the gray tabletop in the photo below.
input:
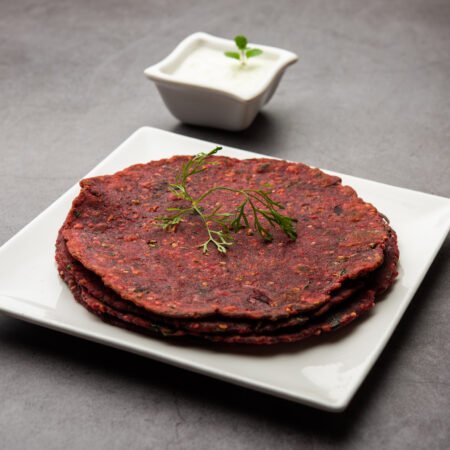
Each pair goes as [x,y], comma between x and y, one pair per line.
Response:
[370,96]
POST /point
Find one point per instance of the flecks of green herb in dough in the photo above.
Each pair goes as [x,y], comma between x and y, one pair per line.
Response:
[334,322]
[77,214]
[263,168]
[337,210]
[140,289]
[166,332]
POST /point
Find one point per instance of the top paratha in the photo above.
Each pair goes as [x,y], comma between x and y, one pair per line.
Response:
[112,221]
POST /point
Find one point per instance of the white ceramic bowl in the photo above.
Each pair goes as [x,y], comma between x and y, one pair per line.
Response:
[202,100]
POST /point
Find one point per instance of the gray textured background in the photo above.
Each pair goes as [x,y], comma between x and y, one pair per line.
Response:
[370,96]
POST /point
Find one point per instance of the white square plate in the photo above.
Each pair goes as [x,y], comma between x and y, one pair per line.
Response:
[324,372]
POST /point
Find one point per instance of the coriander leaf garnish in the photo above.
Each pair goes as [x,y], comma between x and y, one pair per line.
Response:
[253,52]
[241,42]
[256,204]
[234,55]
[244,52]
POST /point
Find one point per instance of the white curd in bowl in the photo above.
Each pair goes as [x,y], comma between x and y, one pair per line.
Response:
[208,66]
[202,86]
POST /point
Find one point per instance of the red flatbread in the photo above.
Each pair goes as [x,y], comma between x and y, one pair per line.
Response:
[91,286]
[112,221]
[336,318]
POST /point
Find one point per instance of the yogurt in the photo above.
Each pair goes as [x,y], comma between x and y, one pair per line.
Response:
[208,66]
[202,86]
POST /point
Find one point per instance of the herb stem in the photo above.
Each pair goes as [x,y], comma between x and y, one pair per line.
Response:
[226,220]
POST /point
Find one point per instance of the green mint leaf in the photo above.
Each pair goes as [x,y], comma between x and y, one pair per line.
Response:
[234,55]
[241,42]
[253,52]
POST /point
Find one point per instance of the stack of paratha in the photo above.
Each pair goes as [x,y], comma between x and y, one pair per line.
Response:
[122,266]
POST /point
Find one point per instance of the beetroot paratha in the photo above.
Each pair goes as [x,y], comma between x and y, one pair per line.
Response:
[92,287]
[337,318]
[112,222]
